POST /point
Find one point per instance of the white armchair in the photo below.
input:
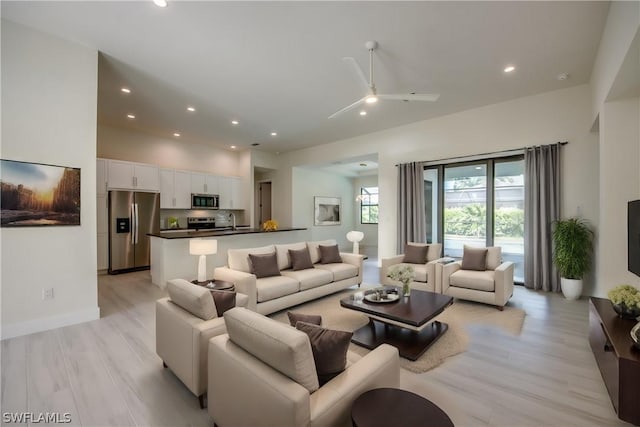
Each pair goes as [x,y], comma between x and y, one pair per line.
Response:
[493,285]
[425,272]
[263,374]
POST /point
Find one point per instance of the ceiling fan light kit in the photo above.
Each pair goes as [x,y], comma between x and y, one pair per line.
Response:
[372,96]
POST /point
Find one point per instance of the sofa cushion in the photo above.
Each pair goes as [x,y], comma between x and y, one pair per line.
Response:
[275,287]
[329,349]
[314,251]
[223,300]
[340,271]
[300,259]
[478,280]
[285,349]
[494,257]
[282,251]
[420,271]
[238,259]
[329,254]
[193,298]
[310,278]
[301,317]
[474,258]
[415,254]
[264,265]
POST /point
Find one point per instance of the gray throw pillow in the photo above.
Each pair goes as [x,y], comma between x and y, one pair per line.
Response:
[329,350]
[474,259]
[307,318]
[224,300]
[264,265]
[300,259]
[329,254]
[415,254]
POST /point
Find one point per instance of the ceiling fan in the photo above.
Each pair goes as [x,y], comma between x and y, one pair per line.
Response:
[372,96]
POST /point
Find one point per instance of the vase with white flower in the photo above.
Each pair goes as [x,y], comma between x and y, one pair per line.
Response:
[404,274]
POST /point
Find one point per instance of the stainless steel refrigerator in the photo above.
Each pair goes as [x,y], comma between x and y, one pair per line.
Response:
[132,215]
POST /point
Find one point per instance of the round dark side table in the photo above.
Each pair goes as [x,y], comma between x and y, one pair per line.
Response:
[384,407]
[215,285]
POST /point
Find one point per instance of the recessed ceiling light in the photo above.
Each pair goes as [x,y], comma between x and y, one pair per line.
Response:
[363,113]
[233,147]
[371,99]
[274,133]
[125,90]
[160,3]
[509,69]
[191,109]
[235,122]
[131,116]
[176,134]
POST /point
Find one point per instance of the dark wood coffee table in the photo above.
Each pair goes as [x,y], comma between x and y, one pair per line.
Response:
[403,324]
[383,407]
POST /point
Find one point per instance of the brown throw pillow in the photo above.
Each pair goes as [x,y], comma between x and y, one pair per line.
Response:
[223,300]
[329,350]
[307,318]
[329,254]
[474,259]
[300,259]
[415,254]
[264,265]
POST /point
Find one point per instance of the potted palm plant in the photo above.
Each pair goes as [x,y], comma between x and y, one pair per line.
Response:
[573,243]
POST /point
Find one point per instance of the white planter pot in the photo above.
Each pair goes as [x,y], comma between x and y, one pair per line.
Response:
[571,288]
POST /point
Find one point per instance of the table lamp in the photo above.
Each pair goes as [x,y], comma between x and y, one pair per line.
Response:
[355,237]
[203,248]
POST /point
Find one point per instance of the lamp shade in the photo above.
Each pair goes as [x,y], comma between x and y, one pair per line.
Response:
[355,236]
[203,247]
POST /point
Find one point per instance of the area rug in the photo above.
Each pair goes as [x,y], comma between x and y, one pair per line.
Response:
[459,316]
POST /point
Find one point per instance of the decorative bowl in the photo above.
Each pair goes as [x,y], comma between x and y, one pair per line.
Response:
[635,336]
[626,312]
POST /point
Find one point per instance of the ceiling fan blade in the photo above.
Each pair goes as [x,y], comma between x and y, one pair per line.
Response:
[350,107]
[355,67]
[429,97]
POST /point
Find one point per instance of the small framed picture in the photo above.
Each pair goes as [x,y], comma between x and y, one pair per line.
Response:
[327,210]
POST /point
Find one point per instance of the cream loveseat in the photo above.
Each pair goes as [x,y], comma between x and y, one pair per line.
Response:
[425,272]
[262,373]
[270,294]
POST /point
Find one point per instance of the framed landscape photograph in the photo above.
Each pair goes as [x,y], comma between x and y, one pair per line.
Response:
[327,210]
[35,195]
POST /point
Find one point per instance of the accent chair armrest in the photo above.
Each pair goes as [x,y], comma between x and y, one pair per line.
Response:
[244,282]
[504,282]
[433,281]
[446,270]
[385,265]
[354,259]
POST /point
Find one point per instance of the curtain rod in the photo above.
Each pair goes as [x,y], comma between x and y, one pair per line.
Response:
[506,152]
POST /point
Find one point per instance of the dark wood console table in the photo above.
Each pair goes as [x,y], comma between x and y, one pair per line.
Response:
[618,360]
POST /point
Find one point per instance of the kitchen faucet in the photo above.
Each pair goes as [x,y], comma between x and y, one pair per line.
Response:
[233,217]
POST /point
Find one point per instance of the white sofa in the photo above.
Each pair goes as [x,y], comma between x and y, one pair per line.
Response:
[262,373]
[270,294]
[425,273]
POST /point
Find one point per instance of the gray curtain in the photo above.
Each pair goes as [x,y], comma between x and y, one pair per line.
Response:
[411,216]
[542,208]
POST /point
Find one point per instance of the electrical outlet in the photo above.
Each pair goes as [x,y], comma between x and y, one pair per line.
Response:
[47,293]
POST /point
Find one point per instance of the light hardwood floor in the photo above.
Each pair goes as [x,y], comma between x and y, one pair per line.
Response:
[106,372]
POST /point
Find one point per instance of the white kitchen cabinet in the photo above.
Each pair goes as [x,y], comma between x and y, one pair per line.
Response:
[133,176]
[237,193]
[175,189]
[231,194]
[101,177]
[202,183]
[103,251]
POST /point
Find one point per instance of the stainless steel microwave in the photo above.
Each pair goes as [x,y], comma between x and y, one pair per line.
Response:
[205,201]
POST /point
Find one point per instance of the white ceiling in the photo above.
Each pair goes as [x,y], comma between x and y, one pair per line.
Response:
[277,66]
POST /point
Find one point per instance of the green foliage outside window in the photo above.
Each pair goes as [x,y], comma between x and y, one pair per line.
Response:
[470,221]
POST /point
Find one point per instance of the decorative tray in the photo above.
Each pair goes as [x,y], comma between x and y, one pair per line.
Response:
[377,298]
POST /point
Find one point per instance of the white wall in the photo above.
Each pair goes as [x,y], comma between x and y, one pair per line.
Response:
[369,245]
[562,115]
[49,103]
[308,183]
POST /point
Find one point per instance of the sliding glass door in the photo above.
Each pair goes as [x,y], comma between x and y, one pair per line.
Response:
[508,232]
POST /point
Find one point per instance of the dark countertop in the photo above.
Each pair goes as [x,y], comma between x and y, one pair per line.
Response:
[214,233]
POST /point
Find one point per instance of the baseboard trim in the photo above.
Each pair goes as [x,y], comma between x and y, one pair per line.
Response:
[46,323]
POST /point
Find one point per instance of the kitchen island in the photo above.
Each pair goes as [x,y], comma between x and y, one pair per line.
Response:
[170,258]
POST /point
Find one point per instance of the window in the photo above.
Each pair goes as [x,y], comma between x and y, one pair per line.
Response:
[368,205]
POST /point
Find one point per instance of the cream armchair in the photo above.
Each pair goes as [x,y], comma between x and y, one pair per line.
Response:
[494,285]
[182,333]
[263,374]
[425,272]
